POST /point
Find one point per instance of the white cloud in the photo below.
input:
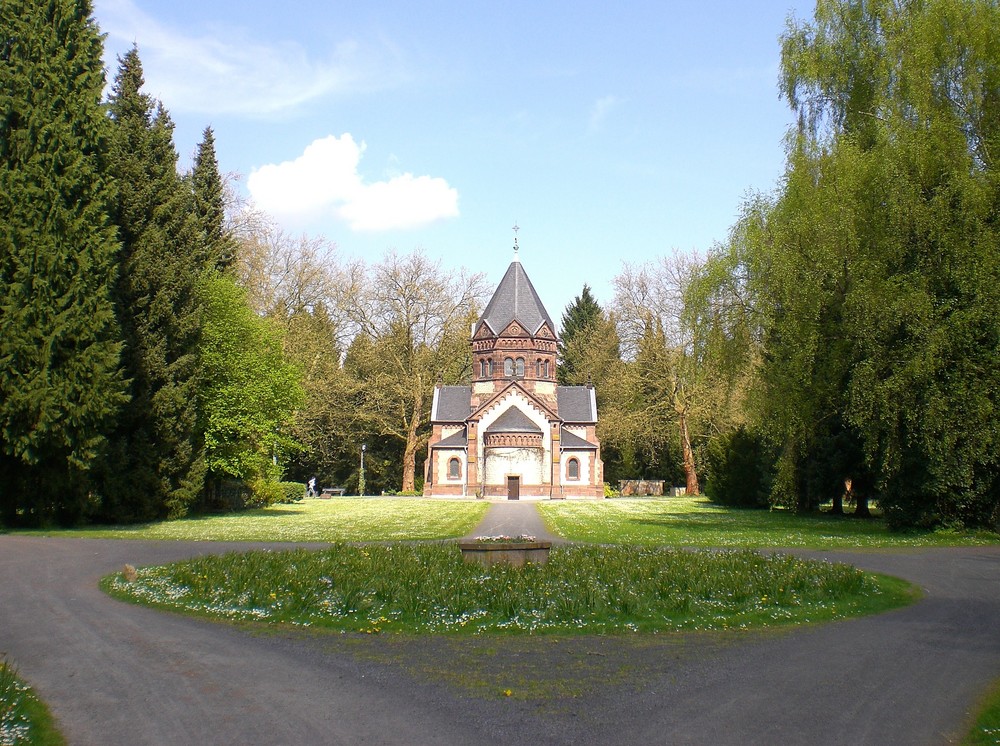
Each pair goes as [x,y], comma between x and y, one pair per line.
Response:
[599,111]
[325,177]
[225,71]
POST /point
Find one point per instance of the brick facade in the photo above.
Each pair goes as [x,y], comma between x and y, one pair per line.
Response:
[514,431]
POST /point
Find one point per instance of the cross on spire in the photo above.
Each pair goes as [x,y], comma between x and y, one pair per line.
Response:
[516,228]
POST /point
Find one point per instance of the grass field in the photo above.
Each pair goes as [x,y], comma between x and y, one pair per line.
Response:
[428,588]
[986,731]
[674,521]
[338,519]
[24,719]
[696,522]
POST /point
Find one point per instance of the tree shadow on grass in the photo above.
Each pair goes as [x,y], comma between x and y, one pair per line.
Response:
[762,523]
[709,532]
[139,528]
[265,512]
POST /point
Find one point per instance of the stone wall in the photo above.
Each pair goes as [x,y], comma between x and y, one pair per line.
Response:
[641,487]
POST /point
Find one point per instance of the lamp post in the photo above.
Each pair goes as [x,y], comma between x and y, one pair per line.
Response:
[361,477]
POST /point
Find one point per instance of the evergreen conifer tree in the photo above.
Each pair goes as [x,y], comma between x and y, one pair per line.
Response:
[209,200]
[59,350]
[579,318]
[155,464]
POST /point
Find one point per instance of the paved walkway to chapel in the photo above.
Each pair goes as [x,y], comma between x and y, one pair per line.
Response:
[514,518]
[114,673]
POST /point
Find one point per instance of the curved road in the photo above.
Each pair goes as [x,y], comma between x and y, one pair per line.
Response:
[114,673]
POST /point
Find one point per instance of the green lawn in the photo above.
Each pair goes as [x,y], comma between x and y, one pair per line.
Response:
[337,519]
[986,730]
[428,588]
[672,521]
[696,522]
[24,719]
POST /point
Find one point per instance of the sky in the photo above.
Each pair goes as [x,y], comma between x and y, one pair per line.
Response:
[608,135]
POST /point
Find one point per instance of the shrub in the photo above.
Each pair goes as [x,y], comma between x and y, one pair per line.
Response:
[236,494]
[741,470]
[264,493]
[229,495]
[292,492]
[610,491]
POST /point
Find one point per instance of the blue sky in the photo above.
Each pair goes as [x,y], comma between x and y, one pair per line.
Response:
[608,134]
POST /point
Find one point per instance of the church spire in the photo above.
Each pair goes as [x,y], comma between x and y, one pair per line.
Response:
[515,299]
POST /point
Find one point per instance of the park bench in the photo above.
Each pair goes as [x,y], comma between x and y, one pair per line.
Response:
[329,492]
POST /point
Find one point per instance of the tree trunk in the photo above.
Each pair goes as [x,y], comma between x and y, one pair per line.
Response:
[412,442]
[838,500]
[862,511]
[691,476]
[838,505]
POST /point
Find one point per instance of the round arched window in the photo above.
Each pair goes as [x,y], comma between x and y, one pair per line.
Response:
[520,367]
[508,366]
[454,469]
[573,469]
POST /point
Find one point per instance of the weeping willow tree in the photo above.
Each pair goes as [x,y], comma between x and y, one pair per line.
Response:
[875,269]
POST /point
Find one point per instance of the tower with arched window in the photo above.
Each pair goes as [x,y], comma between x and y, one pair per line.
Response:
[514,432]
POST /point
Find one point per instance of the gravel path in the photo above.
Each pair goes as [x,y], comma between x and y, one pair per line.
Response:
[114,673]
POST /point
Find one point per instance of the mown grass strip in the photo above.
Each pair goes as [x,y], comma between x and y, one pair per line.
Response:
[696,522]
[339,519]
[581,590]
[24,719]
[986,731]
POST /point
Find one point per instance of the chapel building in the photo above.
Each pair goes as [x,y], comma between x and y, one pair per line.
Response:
[514,433]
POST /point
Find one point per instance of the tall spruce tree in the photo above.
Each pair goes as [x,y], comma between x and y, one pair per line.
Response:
[210,204]
[579,320]
[155,465]
[59,349]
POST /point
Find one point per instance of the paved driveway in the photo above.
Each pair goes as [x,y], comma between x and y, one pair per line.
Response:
[114,673]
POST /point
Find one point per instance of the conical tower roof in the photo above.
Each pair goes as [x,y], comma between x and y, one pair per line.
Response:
[515,299]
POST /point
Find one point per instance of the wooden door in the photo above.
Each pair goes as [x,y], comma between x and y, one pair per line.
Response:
[513,488]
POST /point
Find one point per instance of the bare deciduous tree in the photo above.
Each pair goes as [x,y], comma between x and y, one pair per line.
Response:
[415,319]
[659,345]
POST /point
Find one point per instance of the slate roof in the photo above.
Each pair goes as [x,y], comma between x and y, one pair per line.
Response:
[576,403]
[455,440]
[451,404]
[573,442]
[515,298]
[513,420]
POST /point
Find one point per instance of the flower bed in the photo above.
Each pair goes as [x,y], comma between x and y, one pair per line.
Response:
[516,551]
